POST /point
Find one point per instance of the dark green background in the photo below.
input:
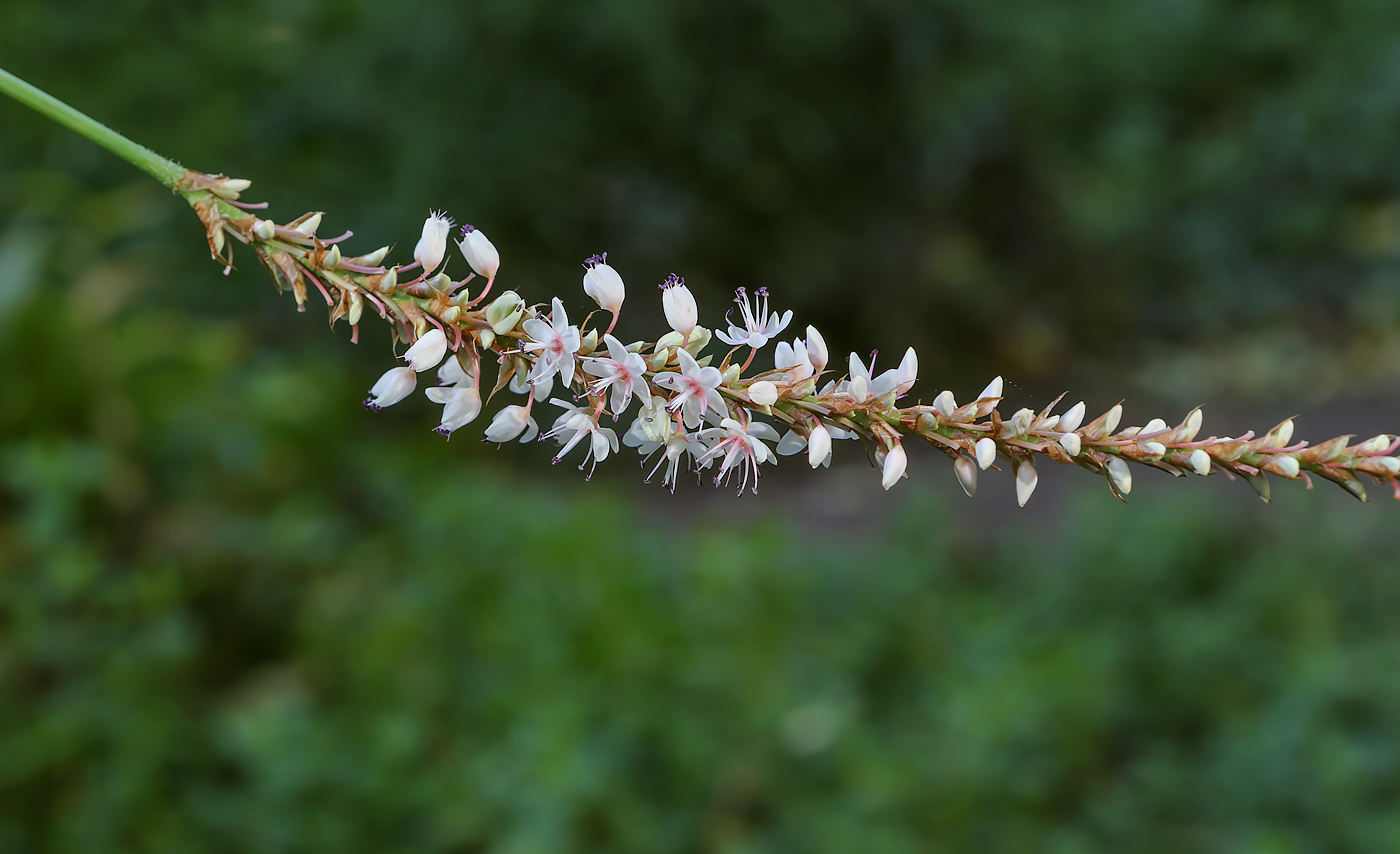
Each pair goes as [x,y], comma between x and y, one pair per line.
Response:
[239,613]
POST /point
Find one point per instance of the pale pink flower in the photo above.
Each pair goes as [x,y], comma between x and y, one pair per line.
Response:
[622,371]
[759,326]
[695,389]
[737,446]
[555,342]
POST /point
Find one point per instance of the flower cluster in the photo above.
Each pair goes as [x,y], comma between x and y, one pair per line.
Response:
[702,407]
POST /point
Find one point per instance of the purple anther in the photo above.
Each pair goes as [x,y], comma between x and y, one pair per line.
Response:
[596,260]
[371,405]
[467,228]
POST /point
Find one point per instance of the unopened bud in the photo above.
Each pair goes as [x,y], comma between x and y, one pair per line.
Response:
[816,349]
[1121,475]
[1200,462]
[427,351]
[486,338]
[264,229]
[480,253]
[1188,430]
[357,307]
[818,446]
[1287,465]
[986,452]
[895,461]
[1026,481]
[371,259]
[309,225]
[603,284]
[966,470]
[992,391]
[730,375]
[1111,419]
[1280,435]
[763,393]
[1156,425]
[944,404]
[451,313]
[1156,449]
[504,312]
[1070,421]
[229,188]
[859,389]
[1071,443]
[1390,464]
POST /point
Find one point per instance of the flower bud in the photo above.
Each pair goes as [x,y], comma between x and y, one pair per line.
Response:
[895,461]
[508,424]
[1026,480]
[763,393]
[427,351]
[819,447]
[229,188]
[966,470]
[1121,475]
[944,404]
[264,229]
[308,224]
[603,284]
[395,385]
[816,349]
[859,389]
[1110,421]
[357,308]
[1190,427]
[1200,462]
[679,304]
[1071,443]
[481,255]
[986,452]
[1070,421]
[504,312]
[1287,465]
[907,372]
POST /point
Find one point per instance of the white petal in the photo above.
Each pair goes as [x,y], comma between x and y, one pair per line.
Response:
[763,393]
[986,452]
[818,446]
[895,461]
[1025,481]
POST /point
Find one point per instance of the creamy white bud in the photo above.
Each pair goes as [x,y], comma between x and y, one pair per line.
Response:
[818,446]
[992,391]
[1374,445]
[1390,464]
[895,461]
[763,393]
[460,407]
[1156,449]
[1282,434]
[480,253]
[507,424]
[1070,421]
[229,188]
[264,229]
[427,351]
[907,372]
[944,404]
[1071,443]
[393,386]
[1188,431]
[1113,416]
[986,452]
[1200,462]
[1156,425]
[309,225]
[357,308]
[966,470]
[1121,475]
[816,349]
[859,389]
[1026,480]
[605,286]
[1287,465]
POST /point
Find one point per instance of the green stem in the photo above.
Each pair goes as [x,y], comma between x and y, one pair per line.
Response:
[168,172]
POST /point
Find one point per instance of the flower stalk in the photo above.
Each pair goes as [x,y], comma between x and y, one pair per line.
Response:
[695,405]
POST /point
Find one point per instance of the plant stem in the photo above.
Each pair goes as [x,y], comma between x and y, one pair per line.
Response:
[168,172]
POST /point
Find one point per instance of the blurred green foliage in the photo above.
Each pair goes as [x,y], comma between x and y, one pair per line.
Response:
[238,613]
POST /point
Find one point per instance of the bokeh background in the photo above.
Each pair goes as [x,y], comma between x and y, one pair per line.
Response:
[240,613]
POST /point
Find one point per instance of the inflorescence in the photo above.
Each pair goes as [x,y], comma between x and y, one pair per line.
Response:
[707,411]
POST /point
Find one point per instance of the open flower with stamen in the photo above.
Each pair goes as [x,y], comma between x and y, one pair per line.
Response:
[679,304]
[555,343]
[604,284]
[794,360]
[576,424]
[759,326]
[695,389]
[395,385]
[509,423]
[653,431]
[460,406]
[432,246]
[737,446]
[621,371]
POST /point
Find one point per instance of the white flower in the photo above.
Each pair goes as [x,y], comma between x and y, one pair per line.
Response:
[575,424]
[679,304]
[895,461]
[603,284]
[427,351]
[509,422]
[654,430]
[461,405]
[862,387]
[695,389]
[1121,475]
[1070,421]
[906,373]
[556,342]
[759,326]
[452,373]
[966,470]
[763,393]
[479,252]
[623,372]
[395,385]
[432,246]
[736,446]
[1200,462]
[794,359]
